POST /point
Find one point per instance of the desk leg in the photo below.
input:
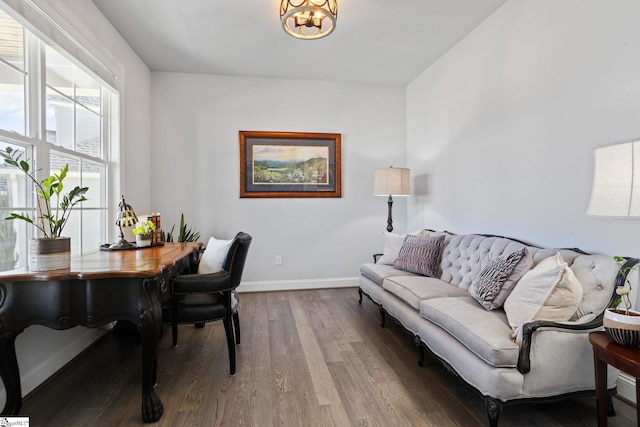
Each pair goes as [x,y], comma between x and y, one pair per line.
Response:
[601,389]
[152,408]
[10,374]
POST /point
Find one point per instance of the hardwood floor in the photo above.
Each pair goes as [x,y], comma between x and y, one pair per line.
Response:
[307,358]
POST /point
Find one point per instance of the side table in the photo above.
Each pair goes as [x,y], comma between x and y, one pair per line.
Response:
[607,352]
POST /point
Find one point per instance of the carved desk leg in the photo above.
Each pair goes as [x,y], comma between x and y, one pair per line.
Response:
[10,373]
[150,324]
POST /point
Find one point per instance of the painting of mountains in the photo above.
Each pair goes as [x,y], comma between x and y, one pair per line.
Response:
[290,164]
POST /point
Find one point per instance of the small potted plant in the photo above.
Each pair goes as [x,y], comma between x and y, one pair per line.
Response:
[620,322]
[51,251]
[142,231]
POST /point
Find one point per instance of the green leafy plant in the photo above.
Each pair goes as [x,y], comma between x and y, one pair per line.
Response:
[143,227]
[54,207]
[185,233]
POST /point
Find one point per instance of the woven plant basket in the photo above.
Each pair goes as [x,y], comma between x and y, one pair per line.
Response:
[49,254]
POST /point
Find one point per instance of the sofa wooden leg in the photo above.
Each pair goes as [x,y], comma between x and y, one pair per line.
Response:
[494,409]
[611,411]
[383,315]
[360,293]
[420,350]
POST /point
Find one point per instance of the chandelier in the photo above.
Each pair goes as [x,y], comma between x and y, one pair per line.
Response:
[308,19]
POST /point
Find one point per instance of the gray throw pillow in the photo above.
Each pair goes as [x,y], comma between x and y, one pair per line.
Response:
[420,255]
[488,288]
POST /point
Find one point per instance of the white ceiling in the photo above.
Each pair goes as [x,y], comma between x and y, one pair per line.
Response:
[375,41]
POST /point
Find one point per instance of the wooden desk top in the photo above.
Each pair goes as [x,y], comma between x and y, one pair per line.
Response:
[144,262]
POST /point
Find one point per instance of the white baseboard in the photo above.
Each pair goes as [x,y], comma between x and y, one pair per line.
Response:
[289,285]
[627,387]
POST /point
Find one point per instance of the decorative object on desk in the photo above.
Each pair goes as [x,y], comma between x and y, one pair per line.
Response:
[143,232]
[308,19]
[623,328]
[290,164]
[126,218]
[185,233]
[623,324]
[391,182]
[52,252]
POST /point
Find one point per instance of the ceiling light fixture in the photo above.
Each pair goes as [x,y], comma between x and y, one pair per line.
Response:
[309,19]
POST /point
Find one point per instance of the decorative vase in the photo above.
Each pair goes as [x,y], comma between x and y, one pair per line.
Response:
[623,328]
[143,240]
[49,254]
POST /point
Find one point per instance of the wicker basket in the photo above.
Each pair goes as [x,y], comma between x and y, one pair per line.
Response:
[49,254]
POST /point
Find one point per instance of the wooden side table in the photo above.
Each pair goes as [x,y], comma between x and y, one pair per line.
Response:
[607,352]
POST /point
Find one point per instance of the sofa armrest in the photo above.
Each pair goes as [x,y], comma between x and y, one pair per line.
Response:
[524,359]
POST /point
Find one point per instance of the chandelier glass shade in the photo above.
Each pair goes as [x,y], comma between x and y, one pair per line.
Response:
[308,19]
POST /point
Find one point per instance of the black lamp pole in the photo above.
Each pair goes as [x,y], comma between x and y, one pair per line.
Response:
[389,220]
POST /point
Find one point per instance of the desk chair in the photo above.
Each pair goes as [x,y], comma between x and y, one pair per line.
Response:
[202,298]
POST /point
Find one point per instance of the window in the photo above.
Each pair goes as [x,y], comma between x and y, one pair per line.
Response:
[58,112]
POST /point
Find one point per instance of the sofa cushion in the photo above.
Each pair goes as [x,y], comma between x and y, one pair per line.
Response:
[550,291]
[485,333]
[420,254]
[488,287]
[378,272]
[413,289]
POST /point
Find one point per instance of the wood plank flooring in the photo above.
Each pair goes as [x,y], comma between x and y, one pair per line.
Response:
[307,358]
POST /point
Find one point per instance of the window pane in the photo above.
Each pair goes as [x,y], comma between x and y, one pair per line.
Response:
[12,94]
[88,132]
[59,120]
[15,190]
[11,41]
[92,229]
[94,177]
[74,100]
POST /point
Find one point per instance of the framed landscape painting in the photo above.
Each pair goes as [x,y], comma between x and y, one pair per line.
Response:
[290,164]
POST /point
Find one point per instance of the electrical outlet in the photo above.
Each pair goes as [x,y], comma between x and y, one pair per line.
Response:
[278,259]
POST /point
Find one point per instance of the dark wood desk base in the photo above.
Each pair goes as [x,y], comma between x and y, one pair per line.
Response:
[99,288]
[607,352]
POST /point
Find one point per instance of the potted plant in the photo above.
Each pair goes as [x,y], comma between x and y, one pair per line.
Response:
[620,322]
[51,251]
[142,231]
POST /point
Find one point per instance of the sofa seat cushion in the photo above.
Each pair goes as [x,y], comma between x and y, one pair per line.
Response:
[378,272]
[485,333]
[413,289]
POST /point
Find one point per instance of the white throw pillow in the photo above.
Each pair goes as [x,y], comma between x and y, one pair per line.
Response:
[549,291]
[214,255]
[392,245]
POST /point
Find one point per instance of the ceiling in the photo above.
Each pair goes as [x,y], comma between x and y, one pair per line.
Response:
[375,41]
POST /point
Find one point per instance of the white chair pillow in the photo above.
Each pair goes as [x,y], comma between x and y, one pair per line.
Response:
[214,255]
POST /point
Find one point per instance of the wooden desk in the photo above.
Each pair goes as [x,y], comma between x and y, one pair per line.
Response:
[607,352]
[100,287]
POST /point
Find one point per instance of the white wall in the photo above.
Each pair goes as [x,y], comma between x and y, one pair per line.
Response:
[42,351]
[501,130]
[196,119]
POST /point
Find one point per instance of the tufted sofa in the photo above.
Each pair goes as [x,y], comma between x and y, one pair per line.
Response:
[544,360]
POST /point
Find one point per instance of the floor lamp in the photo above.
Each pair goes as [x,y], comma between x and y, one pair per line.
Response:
[392,182]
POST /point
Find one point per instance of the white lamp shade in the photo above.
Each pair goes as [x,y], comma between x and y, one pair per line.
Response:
[392,182]
[616,181]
